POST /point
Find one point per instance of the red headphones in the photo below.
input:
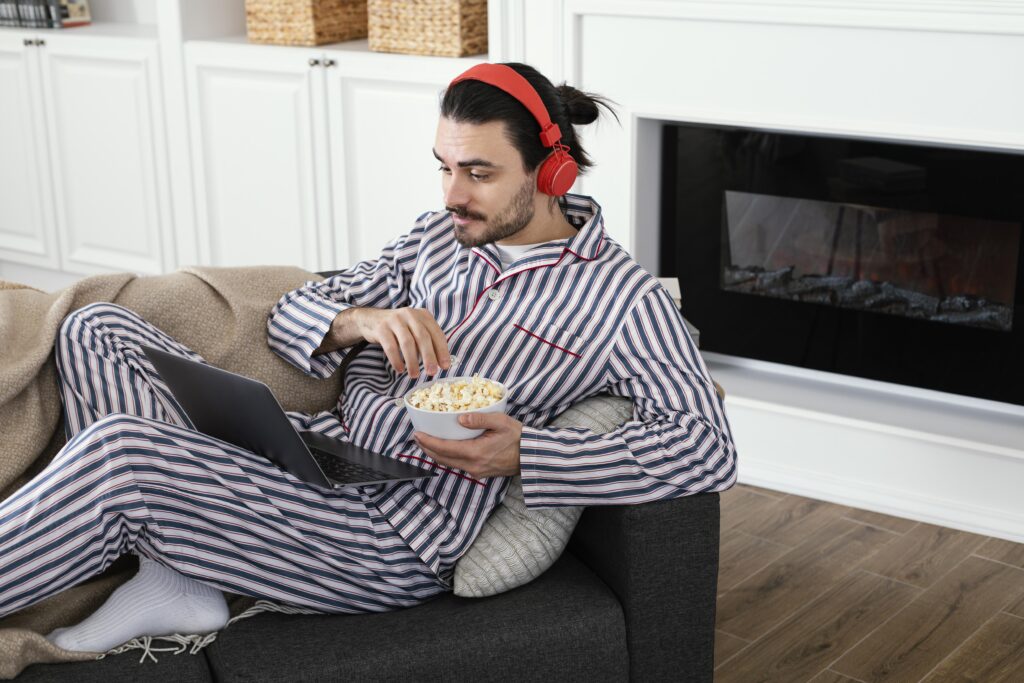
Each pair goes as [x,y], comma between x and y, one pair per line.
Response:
[558,172]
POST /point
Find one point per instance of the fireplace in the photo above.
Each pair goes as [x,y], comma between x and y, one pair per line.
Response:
[894,262]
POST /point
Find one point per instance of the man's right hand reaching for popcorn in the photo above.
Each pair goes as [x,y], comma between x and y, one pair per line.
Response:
[407,335]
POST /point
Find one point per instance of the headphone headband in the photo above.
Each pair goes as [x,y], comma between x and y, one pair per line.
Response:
[507,79]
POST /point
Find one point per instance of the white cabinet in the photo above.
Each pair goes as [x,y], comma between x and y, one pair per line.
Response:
[310,157]
[27,231]
[104,110]
[83,176]
[257,121]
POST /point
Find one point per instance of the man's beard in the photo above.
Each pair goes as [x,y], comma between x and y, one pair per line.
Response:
[514,218]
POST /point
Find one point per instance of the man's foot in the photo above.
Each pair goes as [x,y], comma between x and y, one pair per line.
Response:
[157,601]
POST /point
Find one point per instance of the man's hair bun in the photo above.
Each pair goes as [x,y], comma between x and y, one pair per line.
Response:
[582,107]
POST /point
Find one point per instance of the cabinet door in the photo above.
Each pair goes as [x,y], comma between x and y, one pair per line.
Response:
[27,233]
[107,153]
[256,123]
[383,112]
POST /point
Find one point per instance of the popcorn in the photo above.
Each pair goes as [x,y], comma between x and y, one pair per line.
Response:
[457,396]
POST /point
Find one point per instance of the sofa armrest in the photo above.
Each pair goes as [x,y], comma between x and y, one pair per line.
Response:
[661,560]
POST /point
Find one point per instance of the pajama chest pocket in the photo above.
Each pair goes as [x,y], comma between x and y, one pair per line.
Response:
[556,338]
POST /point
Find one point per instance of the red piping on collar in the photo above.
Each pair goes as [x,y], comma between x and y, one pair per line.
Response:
[486,260]
[502,279]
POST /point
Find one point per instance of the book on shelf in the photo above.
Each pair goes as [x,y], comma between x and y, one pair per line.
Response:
[44,13]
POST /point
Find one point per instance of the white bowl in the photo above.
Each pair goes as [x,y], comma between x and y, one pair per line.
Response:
[445,425]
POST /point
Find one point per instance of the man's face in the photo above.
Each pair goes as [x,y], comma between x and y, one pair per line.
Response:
[485,187]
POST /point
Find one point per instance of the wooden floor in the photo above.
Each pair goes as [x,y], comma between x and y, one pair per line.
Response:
[811,591]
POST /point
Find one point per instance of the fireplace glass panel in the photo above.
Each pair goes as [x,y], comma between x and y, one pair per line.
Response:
[900,262]
[926,265]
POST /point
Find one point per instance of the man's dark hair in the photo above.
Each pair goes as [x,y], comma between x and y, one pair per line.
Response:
[478,102]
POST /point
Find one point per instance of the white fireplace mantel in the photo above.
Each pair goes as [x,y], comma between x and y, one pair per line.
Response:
[934,72]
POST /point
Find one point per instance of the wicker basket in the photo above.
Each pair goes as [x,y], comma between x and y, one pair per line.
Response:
[305,22]
[446,28]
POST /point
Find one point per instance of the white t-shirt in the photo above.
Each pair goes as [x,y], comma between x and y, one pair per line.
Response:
[510,253]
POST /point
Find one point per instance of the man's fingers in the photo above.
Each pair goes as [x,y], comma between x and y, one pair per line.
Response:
[391,350]
[492,421]
[440,343]
[409,335]
[409,352]
[451,451]
[426,347]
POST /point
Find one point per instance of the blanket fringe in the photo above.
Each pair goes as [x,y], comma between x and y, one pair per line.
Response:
[270,606]
[194,643]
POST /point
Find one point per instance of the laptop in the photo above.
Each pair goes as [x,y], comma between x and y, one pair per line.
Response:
[244,412]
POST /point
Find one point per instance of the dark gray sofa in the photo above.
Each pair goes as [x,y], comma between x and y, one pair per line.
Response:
[633,598]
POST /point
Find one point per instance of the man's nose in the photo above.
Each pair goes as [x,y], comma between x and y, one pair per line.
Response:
[455,193]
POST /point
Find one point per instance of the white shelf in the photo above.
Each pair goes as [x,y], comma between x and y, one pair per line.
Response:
[95,30]
[348,47]
[927,415]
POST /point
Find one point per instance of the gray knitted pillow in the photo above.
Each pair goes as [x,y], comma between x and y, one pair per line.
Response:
[516,545]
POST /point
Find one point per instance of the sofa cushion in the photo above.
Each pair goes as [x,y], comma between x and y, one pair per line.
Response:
[123,668]
[566,625]
[517,544]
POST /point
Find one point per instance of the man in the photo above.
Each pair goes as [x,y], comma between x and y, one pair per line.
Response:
[513,281]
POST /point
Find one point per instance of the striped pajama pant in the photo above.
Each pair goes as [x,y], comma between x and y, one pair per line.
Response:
[134,478]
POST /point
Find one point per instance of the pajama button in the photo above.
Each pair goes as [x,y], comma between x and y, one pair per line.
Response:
[493,295]
[399,402]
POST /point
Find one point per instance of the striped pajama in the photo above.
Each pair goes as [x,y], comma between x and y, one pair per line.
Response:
[133,478]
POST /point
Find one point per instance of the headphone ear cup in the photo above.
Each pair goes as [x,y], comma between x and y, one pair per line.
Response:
[557,173]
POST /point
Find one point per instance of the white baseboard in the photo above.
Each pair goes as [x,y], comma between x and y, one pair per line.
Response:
[889,501]
[936,459]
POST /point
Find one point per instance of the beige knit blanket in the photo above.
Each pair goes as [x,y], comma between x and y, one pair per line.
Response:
[220,313]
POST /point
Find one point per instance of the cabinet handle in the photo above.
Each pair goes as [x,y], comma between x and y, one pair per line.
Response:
[28,42]
[41,43]
[314,62]
[329,62]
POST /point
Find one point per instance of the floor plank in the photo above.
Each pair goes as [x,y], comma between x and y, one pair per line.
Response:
[829,676]
[1016,609]
[819,632]
[741,555]
[995,654]
[897,525]
[726,646]
[942,618]
[737,504]
[923,554]
[791,520]
[1002,551]
[762,601]
[764,492]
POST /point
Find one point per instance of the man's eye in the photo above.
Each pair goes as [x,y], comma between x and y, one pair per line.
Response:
[444,168]
[478,176]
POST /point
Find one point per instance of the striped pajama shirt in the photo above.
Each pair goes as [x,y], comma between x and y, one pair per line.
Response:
[569,319]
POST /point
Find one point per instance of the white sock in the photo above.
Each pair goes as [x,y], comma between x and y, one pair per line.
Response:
[156,602]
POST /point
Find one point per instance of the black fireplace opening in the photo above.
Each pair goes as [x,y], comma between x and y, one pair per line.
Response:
[890,261]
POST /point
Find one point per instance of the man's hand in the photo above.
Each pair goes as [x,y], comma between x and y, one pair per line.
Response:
[495,453]
[407,335]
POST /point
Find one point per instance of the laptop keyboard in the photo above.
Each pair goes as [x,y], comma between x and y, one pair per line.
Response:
[343,471]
